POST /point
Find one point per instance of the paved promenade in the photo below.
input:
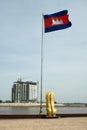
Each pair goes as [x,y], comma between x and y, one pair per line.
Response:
[69,123]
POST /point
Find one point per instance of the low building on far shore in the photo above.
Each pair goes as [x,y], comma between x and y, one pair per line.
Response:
[24,92]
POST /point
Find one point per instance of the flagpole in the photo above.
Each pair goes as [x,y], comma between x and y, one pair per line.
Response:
[41,69]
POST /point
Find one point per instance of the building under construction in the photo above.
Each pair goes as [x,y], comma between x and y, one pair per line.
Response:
[24,92]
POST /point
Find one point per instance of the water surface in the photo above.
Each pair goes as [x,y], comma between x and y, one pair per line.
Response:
[36,110]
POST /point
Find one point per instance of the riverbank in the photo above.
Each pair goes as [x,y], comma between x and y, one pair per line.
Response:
[25,104]
[74,123]
[38,105]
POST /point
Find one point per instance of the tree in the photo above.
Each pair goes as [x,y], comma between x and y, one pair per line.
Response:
[0,101]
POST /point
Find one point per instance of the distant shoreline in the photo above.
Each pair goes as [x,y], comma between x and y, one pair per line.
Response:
[25,104]
[19,104]
[37,105]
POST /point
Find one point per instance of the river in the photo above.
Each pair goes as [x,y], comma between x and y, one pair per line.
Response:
[36,110]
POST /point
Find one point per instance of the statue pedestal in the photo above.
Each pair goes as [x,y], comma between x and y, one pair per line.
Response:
[56,116]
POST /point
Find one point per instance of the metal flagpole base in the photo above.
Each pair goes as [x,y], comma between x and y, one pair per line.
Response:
[41,112]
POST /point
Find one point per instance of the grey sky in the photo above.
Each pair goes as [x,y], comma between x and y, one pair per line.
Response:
[65,51]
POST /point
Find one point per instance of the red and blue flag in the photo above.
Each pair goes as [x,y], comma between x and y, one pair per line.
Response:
[57,21]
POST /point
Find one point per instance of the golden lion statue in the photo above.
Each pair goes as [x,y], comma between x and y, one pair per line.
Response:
[50,107]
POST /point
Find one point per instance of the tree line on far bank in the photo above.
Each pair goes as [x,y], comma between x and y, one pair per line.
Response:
[7,101]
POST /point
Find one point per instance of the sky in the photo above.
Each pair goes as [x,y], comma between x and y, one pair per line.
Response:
[65,51]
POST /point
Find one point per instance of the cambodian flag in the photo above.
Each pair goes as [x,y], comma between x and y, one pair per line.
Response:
[57,21]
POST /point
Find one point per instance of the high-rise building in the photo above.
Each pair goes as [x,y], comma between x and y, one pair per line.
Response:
[24,91]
